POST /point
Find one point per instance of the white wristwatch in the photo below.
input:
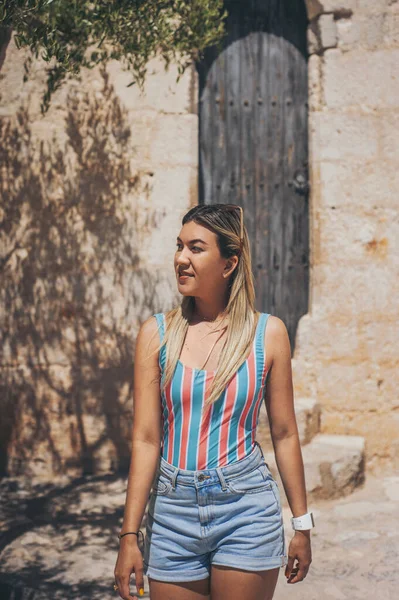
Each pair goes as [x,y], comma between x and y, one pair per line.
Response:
[303,522]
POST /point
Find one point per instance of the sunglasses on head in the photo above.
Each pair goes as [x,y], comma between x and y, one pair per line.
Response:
[234,207]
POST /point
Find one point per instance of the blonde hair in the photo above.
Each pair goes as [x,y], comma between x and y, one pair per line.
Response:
[225,221]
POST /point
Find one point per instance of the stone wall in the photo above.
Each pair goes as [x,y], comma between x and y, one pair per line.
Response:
[92,196]
[347,345]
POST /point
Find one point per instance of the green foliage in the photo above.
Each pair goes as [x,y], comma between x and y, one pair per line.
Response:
[71,34]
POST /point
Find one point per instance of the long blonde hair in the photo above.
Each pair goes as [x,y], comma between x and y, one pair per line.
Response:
[226,223]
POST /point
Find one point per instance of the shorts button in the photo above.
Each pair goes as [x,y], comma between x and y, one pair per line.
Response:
[201,477]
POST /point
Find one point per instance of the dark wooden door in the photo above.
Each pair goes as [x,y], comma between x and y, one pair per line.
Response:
[253,144]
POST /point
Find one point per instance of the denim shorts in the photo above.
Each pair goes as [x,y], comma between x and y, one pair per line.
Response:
[227,516]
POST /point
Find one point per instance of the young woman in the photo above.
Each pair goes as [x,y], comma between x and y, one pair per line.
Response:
[214,529]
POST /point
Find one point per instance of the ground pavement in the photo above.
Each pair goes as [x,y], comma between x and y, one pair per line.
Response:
[59,540]
[355,546]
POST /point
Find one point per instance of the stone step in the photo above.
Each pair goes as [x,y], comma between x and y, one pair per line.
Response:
[307,413]
[334,466]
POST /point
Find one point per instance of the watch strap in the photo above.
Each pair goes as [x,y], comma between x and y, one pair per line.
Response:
[303,522]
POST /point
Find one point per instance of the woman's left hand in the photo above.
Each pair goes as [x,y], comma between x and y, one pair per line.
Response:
[300,550]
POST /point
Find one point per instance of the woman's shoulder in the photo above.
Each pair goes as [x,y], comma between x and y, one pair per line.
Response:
[167,315]
[147,336]
[275,328]
[276,333]
[162,320]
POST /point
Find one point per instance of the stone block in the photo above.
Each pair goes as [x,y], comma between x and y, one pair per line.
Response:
[12,84]
[345,135]
[357,352]
[161,92]
[362,185]
[313,9]
[357,78]
[344,387]
[315,89]
[391,25]
[372,31]
[63,423]
[175,141]
[353,372]
[142,124]
[371,7]
[356,290]
[348,33]
[379,429]
[313,39]
[333,464]
[361,31]
[328,31]
[391,486]
[363,236]
[307,412]
[162,243]
[385,372]
[174,188]
[338,6]
[389,136]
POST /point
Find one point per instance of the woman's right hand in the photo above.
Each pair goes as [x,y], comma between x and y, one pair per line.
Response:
[129,560]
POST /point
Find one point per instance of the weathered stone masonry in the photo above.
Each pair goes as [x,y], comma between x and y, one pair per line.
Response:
[92,197]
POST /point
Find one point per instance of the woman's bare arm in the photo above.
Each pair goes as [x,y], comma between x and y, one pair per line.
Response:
[146,430]
[279,400]
[146,443]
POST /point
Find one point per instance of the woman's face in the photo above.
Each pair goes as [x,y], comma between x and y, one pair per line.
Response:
[200,269]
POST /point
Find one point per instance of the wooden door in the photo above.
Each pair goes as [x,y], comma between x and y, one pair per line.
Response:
[253,144]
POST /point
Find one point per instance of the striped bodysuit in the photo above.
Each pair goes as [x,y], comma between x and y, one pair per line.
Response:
[224,433]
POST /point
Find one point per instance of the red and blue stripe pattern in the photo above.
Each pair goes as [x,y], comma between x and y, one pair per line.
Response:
[224,433]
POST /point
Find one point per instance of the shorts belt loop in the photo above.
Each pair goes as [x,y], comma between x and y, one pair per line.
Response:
[222,479]
[260,448]
[174,476]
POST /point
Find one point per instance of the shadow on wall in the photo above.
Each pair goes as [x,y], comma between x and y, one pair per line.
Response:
[72,220]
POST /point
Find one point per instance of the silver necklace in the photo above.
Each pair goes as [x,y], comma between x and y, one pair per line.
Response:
[204,319]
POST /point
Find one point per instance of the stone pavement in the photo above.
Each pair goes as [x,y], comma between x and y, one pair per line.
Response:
[59,540]
[355,546]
